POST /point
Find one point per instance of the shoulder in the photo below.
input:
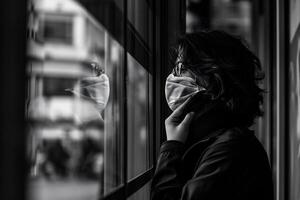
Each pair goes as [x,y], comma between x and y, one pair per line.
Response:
[235,143]
[235,134]
[223,139]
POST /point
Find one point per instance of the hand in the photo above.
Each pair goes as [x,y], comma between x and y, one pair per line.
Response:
[178,124]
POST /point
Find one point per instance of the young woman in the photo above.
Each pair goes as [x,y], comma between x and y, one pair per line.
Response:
[210,153]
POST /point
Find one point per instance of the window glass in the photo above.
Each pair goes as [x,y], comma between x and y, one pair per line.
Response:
[138,104]
[113,131]
[294,101]
[140,16]
[143,193]
[109,13]
[74,105]
[119,4]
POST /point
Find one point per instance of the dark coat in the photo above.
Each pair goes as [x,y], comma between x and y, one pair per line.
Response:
[229,164]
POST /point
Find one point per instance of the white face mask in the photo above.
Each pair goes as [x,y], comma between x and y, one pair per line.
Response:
[179,89]
[95,89]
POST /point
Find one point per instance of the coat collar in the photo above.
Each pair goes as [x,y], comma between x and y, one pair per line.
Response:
[193,153]
[208,139]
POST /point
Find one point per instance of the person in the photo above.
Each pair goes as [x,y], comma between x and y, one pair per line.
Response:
[210,152]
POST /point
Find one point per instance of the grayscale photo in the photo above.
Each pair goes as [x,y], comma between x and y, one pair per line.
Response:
[150,100]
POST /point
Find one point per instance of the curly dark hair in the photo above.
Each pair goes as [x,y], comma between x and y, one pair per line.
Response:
[227,68]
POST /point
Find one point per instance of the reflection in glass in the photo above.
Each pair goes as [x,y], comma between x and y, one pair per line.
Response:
[138,118]
[73,104]
[113,114]
[294,101]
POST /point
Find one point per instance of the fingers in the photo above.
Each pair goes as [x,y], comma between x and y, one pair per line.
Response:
[188,119]
[179,131]
[179,112]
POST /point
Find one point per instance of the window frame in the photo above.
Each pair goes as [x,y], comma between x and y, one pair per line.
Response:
[133,43]
[164,35]
[13,164]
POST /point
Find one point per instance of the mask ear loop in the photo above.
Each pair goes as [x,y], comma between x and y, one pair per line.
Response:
[213,71]
[195,77]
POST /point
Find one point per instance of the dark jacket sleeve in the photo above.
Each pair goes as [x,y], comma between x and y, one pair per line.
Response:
[166,183]
[211,177]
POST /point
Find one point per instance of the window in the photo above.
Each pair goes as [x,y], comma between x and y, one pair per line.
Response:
[138,105]
[140,16]
[90,104]
[113,118]
[57,29]
[294,102]
[56,86]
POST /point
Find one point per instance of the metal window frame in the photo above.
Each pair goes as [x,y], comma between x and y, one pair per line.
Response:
[281,106]
[12,106]
[127,189]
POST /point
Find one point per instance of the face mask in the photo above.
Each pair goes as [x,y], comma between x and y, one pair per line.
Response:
[179,89]
[95,89]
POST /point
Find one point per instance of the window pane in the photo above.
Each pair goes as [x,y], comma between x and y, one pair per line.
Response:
[74,105]
[113,146]
[143,193]
[138,103]
[140,16]
[110,13]
[294,102]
